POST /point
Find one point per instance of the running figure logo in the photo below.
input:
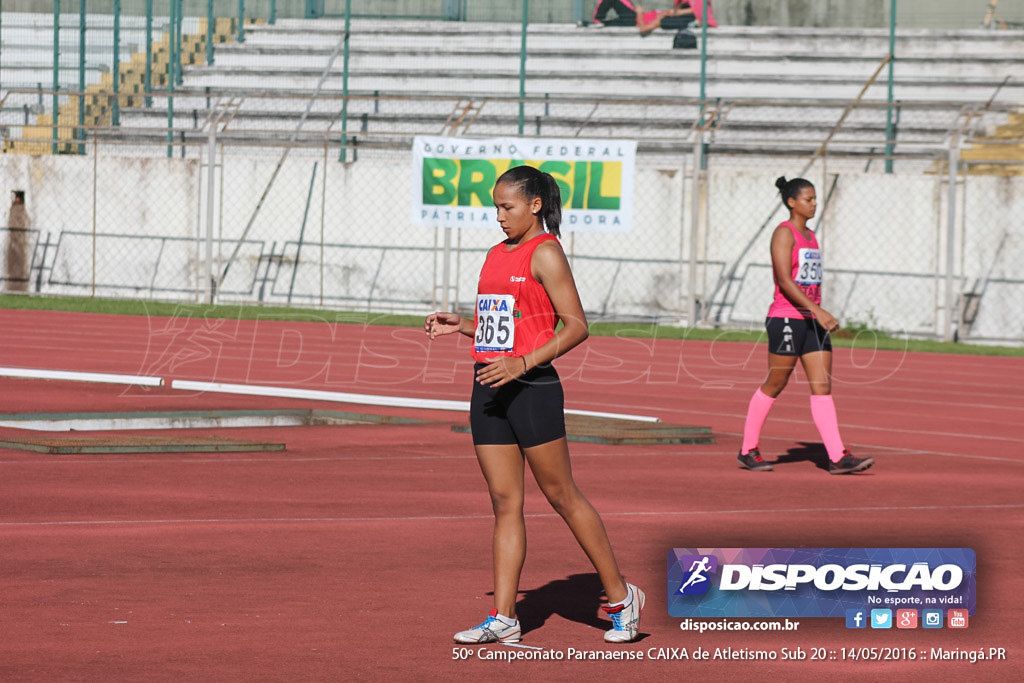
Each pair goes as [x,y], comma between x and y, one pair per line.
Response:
[696,581]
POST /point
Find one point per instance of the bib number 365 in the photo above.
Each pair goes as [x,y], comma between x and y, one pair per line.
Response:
[495,326]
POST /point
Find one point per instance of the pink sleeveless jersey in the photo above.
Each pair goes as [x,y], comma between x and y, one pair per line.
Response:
[513,312]
[807,273]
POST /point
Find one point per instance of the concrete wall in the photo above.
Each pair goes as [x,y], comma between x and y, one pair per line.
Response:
[883,235]
[944,14]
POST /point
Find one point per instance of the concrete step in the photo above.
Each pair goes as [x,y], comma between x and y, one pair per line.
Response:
[725,39]
[655,85]
[854,66]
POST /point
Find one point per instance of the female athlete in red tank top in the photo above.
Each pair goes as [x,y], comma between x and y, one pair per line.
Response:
[516,411]
[513,314]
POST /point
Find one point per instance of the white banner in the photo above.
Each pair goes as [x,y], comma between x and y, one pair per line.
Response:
[453,178]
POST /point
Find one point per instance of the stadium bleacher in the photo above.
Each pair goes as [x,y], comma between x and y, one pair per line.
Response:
[408,76]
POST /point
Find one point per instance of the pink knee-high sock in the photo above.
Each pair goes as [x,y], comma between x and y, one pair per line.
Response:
[757,413]
[823,410]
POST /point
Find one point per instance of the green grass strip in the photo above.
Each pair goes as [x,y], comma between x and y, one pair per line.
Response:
[858,337]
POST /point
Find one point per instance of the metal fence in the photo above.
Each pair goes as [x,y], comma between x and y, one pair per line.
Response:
[235,216]
[300,196]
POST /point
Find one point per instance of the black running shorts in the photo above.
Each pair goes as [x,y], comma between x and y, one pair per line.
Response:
[796,336]
[528,411]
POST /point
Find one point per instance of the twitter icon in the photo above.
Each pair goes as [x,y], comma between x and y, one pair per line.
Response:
[881,618]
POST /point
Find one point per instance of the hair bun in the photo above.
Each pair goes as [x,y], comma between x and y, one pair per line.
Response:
[780,182]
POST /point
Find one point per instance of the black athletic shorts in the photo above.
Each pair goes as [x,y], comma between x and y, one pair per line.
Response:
[528,411]
[796,336]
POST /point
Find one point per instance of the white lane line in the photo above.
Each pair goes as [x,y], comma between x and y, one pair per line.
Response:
[101,377]
[429,518]
[612,452]
[363,399]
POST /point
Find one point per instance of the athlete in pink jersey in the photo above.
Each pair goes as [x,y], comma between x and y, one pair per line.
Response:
[798,327]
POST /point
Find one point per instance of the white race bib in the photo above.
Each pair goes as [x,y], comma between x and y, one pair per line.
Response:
[495,322]
[808,267]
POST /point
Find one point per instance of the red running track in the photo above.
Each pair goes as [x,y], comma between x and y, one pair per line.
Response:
[355,554]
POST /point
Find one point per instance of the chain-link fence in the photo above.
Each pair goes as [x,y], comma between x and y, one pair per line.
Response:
[292,225]
[261,178]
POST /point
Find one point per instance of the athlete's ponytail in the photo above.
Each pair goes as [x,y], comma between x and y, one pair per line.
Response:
[534,183]
[552,209]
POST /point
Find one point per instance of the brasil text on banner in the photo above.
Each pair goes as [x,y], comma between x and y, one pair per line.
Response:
[453,178]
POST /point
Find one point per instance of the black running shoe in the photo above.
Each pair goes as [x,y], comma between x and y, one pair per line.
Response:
[754,461]
[849,464]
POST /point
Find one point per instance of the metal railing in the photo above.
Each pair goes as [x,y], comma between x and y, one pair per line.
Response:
[158,186]
[274,218]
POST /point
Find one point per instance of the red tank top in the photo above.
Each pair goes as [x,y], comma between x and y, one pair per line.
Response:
[807,273]
[513,312]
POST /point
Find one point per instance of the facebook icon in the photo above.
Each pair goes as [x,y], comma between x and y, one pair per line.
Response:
[856,618]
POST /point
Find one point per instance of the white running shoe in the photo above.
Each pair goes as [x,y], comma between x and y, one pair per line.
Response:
[625,620]
[492,630]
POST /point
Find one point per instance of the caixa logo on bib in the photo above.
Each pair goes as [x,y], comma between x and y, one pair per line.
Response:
[816,582]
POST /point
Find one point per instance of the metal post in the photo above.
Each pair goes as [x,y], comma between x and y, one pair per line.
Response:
[302,233]
[220,224]
[172,45]
[178,70]
[116,114]
[819,229]
[56,71]
[149,52]
[209,32]
[703,60]
[323,212]
[446,267]
[273,13]
[170,80]
[344,83]
[890,131]
[211,163]
[954,163]
[695,209]
[95,195]
[80,133]
[522,65]
[241,21]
